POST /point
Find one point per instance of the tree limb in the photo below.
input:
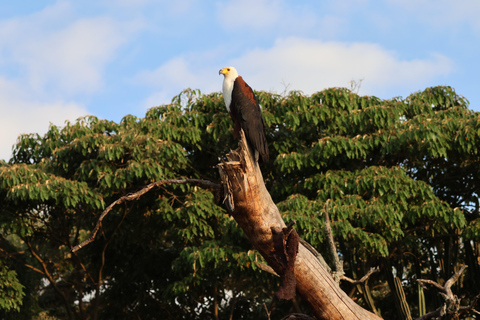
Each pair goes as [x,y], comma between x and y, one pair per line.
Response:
[205,184]
[446,289]
[339,273]
[34,269]
[422,282]
[362,279]
[452,302]
[452,280]
[50,278]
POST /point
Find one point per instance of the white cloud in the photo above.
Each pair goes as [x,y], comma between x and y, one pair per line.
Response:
[176,75]
[311,65]
[301,64]
[47,59]
[29,116]
[68,55]
[175,72]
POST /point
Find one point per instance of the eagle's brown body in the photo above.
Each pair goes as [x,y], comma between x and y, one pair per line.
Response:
[245,111]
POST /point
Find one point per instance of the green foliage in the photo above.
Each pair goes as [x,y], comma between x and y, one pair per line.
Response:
[400,177]
[11,290]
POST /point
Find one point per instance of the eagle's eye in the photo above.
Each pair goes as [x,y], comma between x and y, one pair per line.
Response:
[228,69]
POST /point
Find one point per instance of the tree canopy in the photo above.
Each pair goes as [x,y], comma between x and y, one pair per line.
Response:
[401,177]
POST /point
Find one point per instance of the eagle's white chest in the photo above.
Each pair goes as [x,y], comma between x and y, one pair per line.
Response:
[227,91]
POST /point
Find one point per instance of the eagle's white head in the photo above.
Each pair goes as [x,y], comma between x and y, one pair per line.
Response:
[230,74]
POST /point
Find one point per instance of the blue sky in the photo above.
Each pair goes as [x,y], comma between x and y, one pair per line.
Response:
[60,60]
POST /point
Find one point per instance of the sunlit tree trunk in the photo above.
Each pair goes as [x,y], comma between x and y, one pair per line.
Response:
[252,207]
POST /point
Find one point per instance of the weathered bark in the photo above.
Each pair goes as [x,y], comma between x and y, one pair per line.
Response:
[252,207]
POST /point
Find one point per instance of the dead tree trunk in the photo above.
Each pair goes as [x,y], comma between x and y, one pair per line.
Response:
[252,207]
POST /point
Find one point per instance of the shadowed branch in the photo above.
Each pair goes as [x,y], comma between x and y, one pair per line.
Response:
[205,184]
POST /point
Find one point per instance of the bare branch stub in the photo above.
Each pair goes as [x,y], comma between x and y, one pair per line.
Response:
[266,268]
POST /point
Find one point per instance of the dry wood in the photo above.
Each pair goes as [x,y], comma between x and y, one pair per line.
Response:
[362,279]
[451,309]
[252,207]
[338,273]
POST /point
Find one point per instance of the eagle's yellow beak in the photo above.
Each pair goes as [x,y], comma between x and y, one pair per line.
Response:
[224,71]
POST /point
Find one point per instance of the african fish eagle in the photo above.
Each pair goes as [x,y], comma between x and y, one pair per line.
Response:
[245,111]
